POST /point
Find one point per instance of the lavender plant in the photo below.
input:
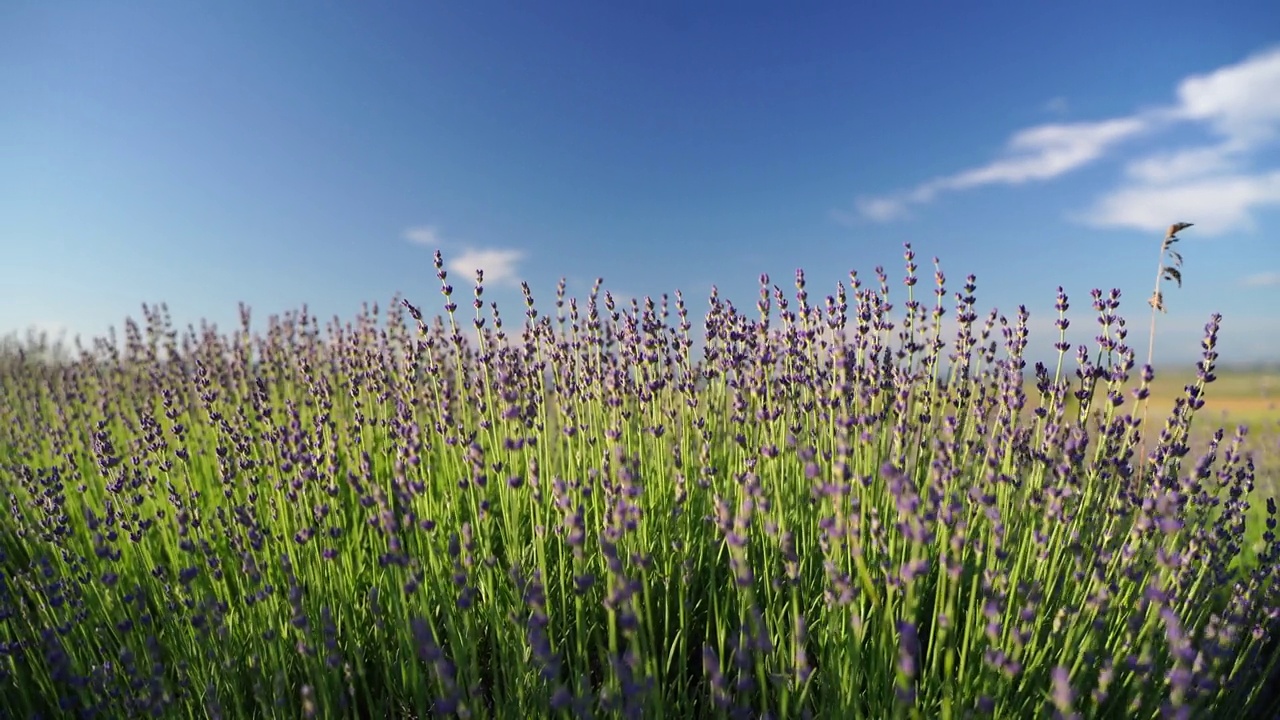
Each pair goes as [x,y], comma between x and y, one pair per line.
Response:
[827,510]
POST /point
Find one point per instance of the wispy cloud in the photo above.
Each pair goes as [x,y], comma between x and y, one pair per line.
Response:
[500,265]
[1057,105]
[52,328]
[1045,152]
[1263,279]
[1035,154]
[424,235]
[1218,204]
[1239,101]
[1195,162]
[47,333]
[1239,105]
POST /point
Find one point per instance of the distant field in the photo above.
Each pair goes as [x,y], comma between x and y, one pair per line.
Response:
[1235,398]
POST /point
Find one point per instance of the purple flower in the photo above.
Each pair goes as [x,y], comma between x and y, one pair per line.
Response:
[1061,693]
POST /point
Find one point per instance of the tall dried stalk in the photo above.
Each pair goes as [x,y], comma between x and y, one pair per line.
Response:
[1170,271]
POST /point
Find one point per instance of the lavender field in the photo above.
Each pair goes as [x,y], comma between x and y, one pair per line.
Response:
[820,507]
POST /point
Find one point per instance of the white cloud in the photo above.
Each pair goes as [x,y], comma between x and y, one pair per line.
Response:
[424,235]
[1264,279]
[1048,151]
[52,328]
[1210,185]
[1216,204]
[1240,102]
[1039,153]
[1196,162]
[1057,105]
[881,209]
[52,333]
[499,265]
[1241,105]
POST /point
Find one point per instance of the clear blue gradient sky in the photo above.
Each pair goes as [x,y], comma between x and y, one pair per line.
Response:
[278,153]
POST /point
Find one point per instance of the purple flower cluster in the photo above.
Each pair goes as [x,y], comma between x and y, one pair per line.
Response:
[823,508]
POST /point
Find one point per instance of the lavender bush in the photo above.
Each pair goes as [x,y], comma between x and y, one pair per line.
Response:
[827,510]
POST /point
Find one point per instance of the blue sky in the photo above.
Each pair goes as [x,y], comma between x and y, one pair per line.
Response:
[202,154]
